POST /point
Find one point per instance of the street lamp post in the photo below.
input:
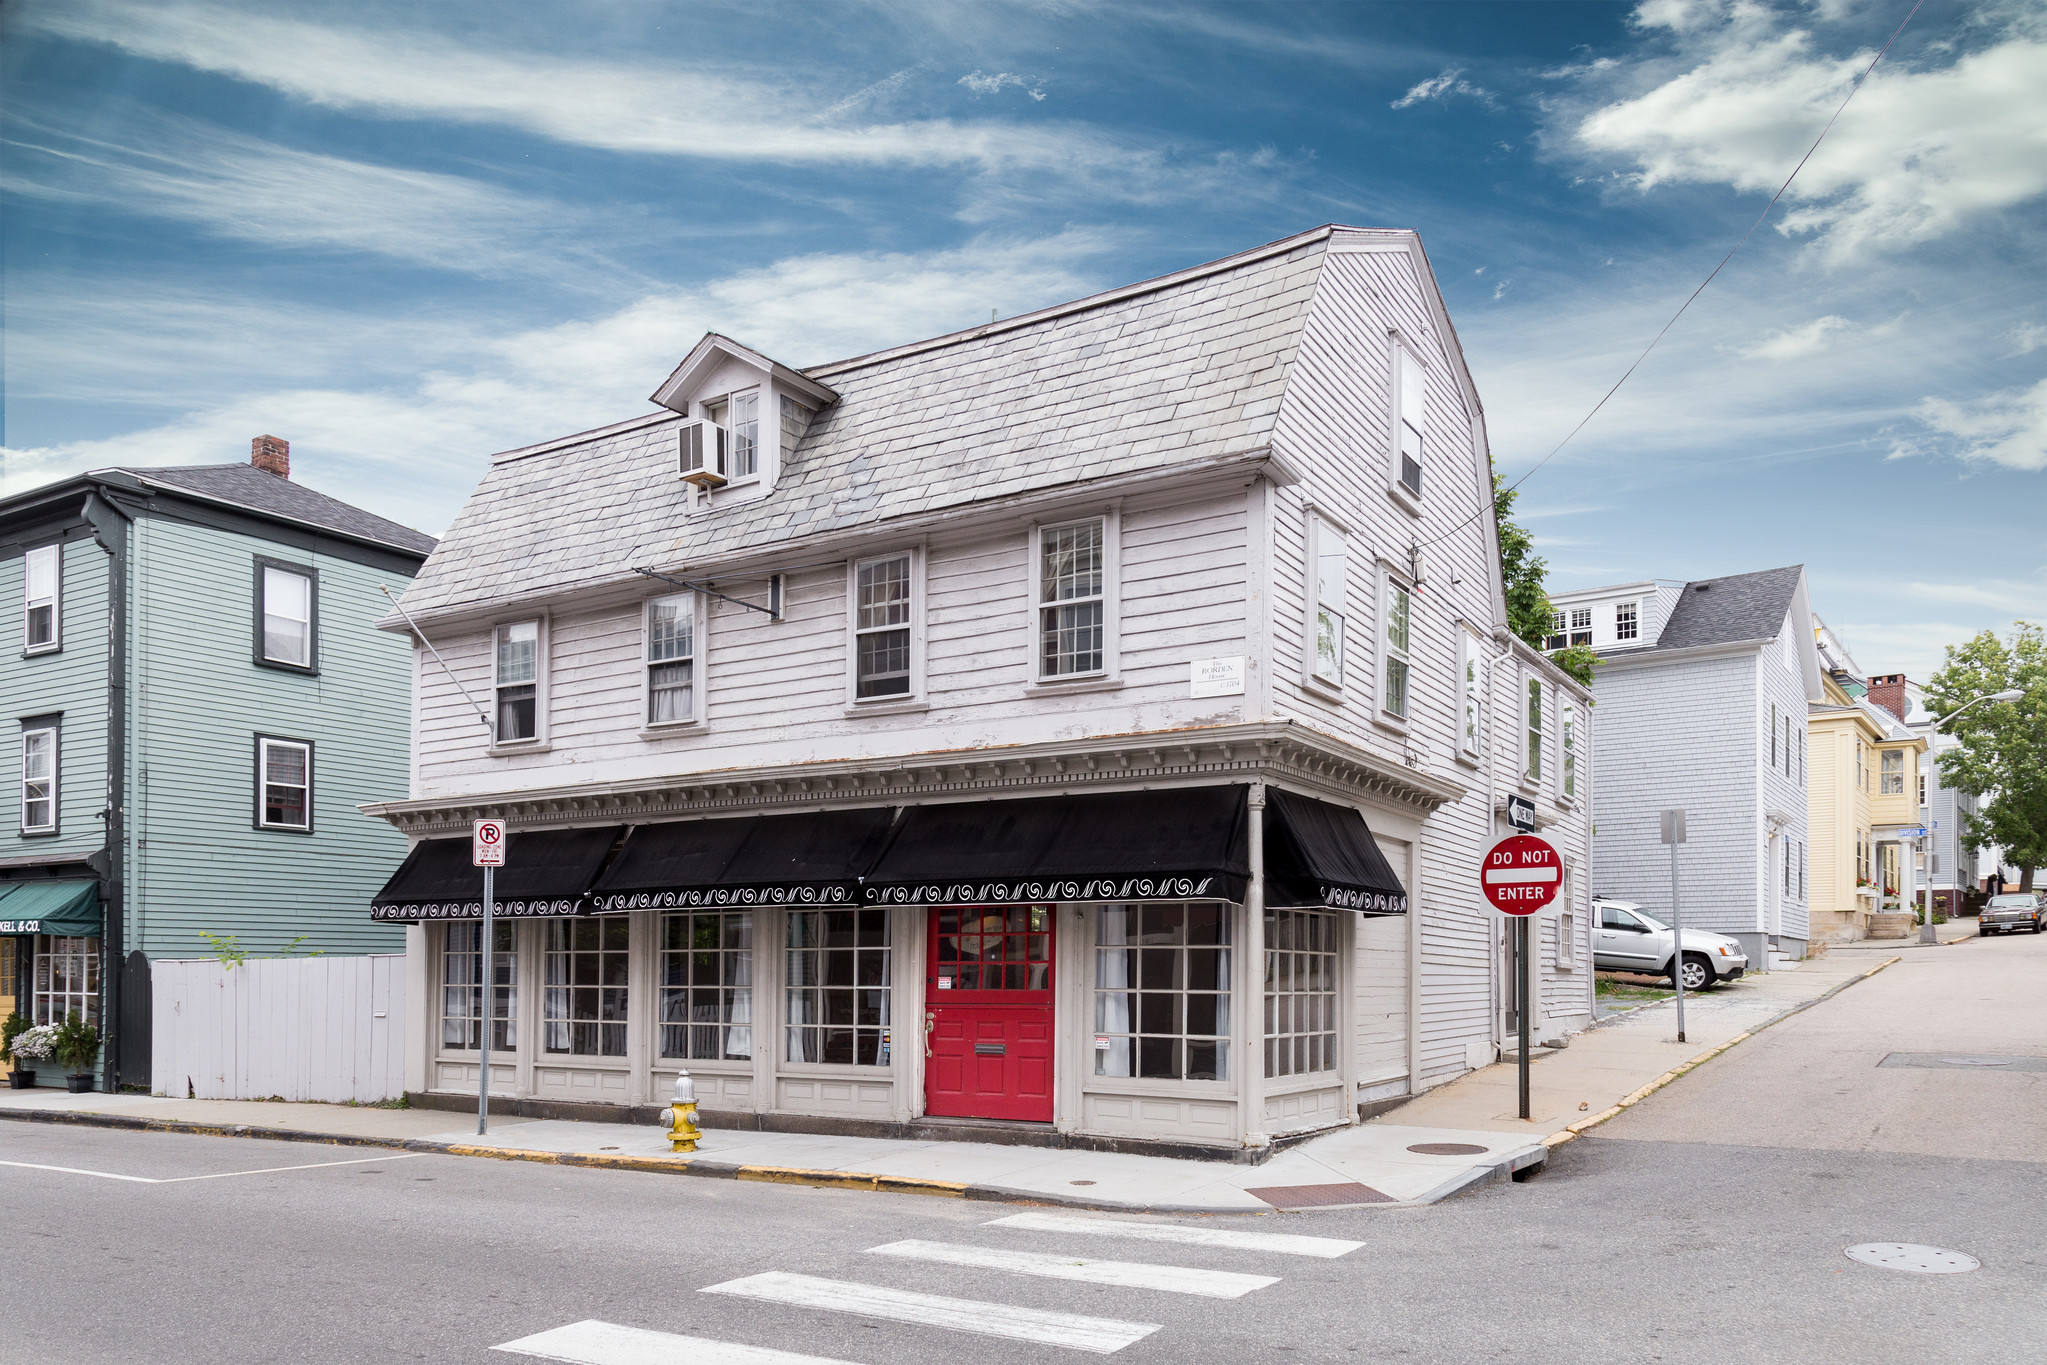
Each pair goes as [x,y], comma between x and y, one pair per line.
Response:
[1925,841]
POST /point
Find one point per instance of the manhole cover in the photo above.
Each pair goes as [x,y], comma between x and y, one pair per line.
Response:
[1922,1260]
[1447,1149]
[1319,1196]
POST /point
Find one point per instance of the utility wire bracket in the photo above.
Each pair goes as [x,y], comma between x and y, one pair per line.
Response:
[705,588]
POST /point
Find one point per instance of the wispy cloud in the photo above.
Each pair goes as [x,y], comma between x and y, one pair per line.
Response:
[983,83]
[1791,343]
[1448,85]
[2008,428]
[2019,598]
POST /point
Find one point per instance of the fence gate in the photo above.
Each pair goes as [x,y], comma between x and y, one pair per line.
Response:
[307,1028]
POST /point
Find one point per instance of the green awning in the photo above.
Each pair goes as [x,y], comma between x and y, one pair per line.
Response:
[67,908]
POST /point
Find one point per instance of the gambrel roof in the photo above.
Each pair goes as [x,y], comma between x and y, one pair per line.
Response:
[1174,372]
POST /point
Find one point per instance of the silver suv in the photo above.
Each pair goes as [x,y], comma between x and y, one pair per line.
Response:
[1629,939]
[2010,913]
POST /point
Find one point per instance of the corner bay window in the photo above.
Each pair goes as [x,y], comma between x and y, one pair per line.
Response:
[671,660]
[39,780]
[40,573]
[1071,615]
[583,995]
[462,987]
[284,769]
[1300,992]
[881,627]
[1162,991]
[1399,608]
[517,674]
[67,979]
[286,610]
[837,993]
[707,985]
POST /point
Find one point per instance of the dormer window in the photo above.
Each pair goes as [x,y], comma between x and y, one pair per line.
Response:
[740,415]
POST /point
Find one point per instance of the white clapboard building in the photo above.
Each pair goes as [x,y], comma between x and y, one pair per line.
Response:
[1081,729]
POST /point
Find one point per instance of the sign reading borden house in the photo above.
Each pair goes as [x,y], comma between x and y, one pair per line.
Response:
[1521,875]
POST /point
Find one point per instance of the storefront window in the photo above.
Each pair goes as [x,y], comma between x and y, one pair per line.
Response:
[67,979]
[1162,991]
[707,985]
[1300,992]
[583,1007]
[838,987]
[462,987]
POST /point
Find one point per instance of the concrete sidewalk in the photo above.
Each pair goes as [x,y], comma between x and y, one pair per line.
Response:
[1628,1055]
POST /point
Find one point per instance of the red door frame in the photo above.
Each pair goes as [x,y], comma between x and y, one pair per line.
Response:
[988,1048]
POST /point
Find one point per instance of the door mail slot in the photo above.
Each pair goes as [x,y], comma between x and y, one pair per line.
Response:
[991,1049]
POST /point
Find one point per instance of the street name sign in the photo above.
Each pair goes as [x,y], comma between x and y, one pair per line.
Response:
[487,843]
[1522,874]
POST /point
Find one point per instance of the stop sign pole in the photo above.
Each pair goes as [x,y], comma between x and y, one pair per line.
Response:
[487,851]
[1522,874]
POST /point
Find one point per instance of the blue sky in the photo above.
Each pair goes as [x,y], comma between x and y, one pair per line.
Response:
[404,236]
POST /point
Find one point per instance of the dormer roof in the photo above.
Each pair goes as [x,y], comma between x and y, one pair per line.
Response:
[707,355]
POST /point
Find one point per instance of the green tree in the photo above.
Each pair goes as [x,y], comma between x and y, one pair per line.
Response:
[2003,749]
[1524,573]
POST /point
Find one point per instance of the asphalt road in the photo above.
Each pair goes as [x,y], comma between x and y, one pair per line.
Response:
[1710,1227]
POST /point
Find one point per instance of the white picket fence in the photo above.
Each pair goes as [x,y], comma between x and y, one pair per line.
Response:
[307,1028]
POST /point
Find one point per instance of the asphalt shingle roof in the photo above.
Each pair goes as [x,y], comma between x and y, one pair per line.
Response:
[261,491]
[1192,369]
[1720,611]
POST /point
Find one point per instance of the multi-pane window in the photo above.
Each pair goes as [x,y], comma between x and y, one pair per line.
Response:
[583,995]
[995,948]
[1472,684]
[1393,694]
[284,777]
[1327,550]
[41,571]
[287,616]
[462,987]
[740,415]
[795,421]
[518,681]
[1625,625]
[1567,747]
[1162,991]
[671,660]
[707,985]
[1773,734]
[1414,410]
[1861,772]
[1531,756]
[881,627]
[1581,625]
[1300,992]
[39,780]
[1790,768]
[67,979]
[837,992]
[1922,789]
[1893,777]
[1072,612]
[1557,637]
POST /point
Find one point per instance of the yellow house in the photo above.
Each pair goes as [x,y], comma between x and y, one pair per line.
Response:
[1862,792]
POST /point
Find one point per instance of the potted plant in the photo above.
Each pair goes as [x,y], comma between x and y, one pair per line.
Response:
[78,1047]
[17,1024]
[35,1044]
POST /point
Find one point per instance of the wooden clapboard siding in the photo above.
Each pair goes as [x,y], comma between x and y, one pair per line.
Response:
[197,703]
[328,1029]
[72,682]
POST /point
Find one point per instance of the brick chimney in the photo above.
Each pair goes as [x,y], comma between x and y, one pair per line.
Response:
[271,455]
[1888,691]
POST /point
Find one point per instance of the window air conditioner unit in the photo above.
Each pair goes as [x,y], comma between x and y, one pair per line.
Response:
[701,448]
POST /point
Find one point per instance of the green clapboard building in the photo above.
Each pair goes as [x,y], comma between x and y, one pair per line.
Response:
[198,702]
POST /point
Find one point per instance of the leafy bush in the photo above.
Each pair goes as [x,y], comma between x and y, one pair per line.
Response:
[77,1042]
[16,1025]
[37,1044]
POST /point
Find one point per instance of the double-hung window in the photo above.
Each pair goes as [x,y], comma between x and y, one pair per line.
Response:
[1329,563]
[284,783]
[671,660]
[1567,748]
[517,677]
[42,577]
[1531,753]
[287,615]
[1625,624]
[1398,616]
[1581,625]
[1893,777]
[1073,585]
[740,415]
[1557,638]
[883,592]
[1411,418]
[39,777]
[1471,684]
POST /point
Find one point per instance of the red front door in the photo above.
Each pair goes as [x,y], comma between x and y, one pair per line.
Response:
[988,1002]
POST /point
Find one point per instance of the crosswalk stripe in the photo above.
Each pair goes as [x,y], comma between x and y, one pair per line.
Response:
[607,1343]
[1099,1335]
[1287,1244]
[1213,1284]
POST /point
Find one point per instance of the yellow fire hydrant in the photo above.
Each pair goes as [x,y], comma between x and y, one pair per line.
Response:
[682,1117]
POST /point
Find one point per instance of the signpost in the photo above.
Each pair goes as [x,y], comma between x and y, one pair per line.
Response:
[487,851]
[1674,834]
[1522,874]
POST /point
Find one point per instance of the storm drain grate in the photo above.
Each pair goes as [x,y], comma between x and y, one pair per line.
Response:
[1920,1260]
[1319,1196]
[1447,1149]
[1982,1061]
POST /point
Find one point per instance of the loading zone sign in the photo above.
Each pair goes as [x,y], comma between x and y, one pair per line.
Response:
[1522,874]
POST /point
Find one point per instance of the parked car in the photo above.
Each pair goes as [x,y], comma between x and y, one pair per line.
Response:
[2012,912]
[1629,939]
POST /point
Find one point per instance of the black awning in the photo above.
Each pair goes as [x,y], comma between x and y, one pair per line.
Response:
[1321,854]
[1182,844]
[810,858]
[546,872]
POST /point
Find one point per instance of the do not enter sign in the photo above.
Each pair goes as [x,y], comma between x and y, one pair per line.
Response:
[1522,874]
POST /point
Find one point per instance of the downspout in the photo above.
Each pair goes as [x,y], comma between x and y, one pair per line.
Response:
[110,527]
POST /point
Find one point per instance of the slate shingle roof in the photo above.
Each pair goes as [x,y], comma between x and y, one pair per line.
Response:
[1144,379]
[261,491]
[1721,611]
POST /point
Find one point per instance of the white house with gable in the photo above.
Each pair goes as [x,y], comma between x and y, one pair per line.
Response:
[1084,728]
